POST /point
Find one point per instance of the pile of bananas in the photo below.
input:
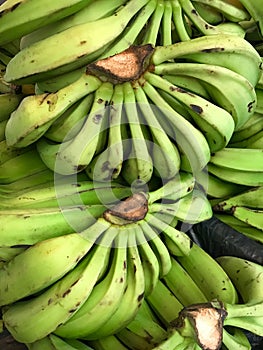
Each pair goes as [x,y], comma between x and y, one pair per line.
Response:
[121,121]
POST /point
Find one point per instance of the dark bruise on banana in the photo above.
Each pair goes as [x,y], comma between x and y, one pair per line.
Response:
[128,65]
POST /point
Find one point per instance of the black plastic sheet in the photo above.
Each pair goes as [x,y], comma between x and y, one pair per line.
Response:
[217,238]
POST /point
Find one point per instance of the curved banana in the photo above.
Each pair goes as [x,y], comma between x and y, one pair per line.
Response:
[8,253]
[217,80]
[253,217]
[233,11]
[151,34]
[133,295]
[149,260]
[37,317]
[36,113]
[250,128]
[255,10]
[246,275]
[167,152]
[74,155]
[29,226]
[19,18]
[71,121]
[164,303]
[82,48]
[254,141]
[183,286]
[202,111]
[244,159]
[131,32]
[105,297]
[180,130]
[240,177]
[226,50]
[138,166]
[107,164]
[218,188]
[8,103]
[92,11]
[21,166]
[52,258]
[222,288]
[251,198]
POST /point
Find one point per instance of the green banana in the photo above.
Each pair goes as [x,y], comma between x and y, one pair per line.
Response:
[166,24]
[108,164]
[53,258]
[151,34]
[59,82]
[36,113]
[164,304]
[240,177]
[71,121]
[233,11]
[131,33]
[208,13]
[217,79]
[182,26]
[179,129]
[217,188]
[74,155]
[36,180]
[143,332]
[202,111]
[251,198]
[200,23]
[66,192]
[240,226]
[82,48]
[255,10]
[19,18]
[29,226]
[133,295]
[35,318]
[221,288]
[250,128]
[167,152]
[138,167]
[157,246]
[108,343]
[21,166]
[92,11]
[229,51]
[66,344]
[8,253]
[254,141]
[149,260]
[182,286]
[246,275]
[243,159]
[104,299]
[236,340]
[8,103]
[253,217]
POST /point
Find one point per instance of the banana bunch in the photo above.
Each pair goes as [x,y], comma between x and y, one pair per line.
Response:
[243,212]
[183,303]
[135,124]
[90,283]
[139,22]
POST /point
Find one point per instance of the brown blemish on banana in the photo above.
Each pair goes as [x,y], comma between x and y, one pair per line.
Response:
[10,9]
[132,209]
[250,106]
[196,109]
[213,49]
[127,65]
